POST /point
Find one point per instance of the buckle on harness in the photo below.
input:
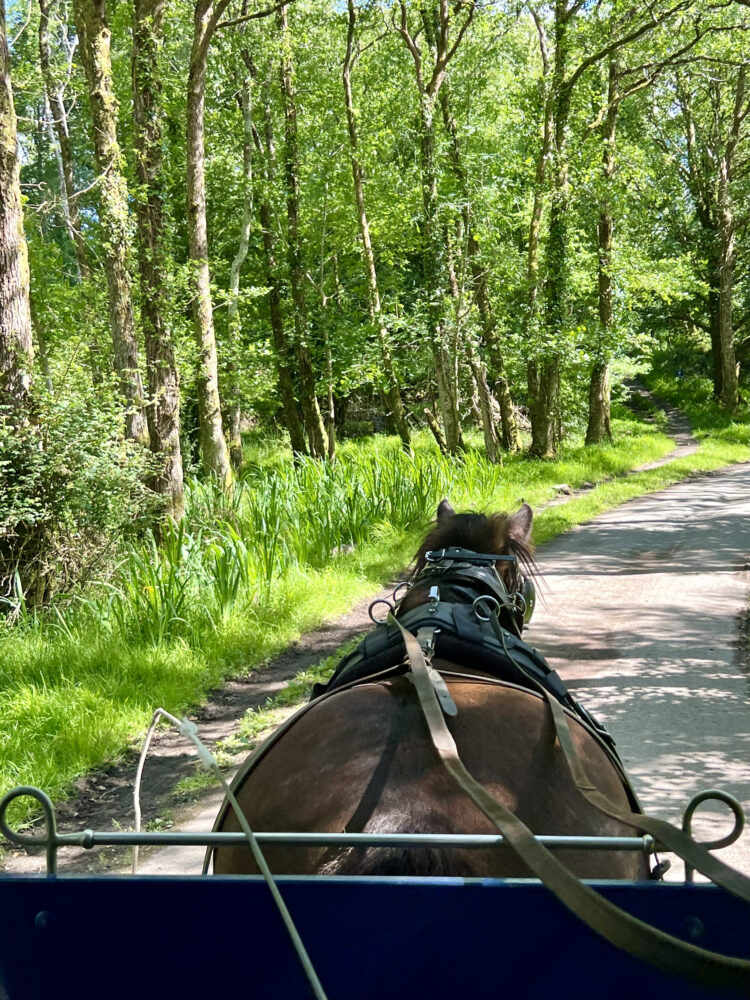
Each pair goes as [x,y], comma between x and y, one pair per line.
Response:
[426,639]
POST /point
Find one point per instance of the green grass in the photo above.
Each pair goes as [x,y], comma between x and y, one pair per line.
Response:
[246,575]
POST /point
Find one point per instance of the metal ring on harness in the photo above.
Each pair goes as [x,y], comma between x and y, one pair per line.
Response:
[492,603]
[396,596]
[380,600]
[713,845]
[519,604]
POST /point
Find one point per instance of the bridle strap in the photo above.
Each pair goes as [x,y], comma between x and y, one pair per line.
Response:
[616,925]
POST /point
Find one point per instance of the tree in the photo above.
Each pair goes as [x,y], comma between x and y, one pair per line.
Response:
[265,144]
[624,24]
[163,410]
[392,390]
[511,439]
[313,421]
[234,324]
[94,34]
[599,426]
[214,451]
[437,21]
[16,349]
[715,106]
[56,115]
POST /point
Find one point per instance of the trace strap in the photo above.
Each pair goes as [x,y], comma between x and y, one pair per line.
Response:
[667,837]
[616,925]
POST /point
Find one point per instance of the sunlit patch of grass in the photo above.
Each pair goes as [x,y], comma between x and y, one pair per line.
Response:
[192,786]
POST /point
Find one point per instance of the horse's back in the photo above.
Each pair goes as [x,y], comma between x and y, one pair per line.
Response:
[360,760]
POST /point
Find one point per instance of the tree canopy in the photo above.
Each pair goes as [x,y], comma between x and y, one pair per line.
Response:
[333,216]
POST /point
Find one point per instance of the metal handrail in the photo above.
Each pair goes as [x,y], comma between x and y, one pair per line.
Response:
[52,840]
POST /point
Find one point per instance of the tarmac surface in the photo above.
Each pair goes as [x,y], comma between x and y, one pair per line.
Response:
[645,616]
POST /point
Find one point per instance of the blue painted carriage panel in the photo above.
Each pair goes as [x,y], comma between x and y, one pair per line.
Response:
[370,939]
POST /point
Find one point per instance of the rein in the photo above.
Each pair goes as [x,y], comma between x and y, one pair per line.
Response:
[616,925]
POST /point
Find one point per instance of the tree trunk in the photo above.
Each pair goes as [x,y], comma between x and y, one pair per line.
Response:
[330,407]
[91,24]
[535,225]
[714,321]
[163,411]
[392,391]
[511,438]
[16,348]
[316,433]
[481,397]
[433,265]
[214,451]
[544,423]
[284,367]
[437,431]
[544,418]
[599,425]
[330,401]
[233,319]
[729,382]
[727,250]
[484,400]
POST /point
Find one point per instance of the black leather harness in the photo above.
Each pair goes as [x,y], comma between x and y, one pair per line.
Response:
[467,632]
[463,638]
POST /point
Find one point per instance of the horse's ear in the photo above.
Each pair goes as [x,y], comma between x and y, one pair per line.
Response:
[444,511]
[519,525]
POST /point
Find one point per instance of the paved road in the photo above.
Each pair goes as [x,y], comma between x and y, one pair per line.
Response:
[645,616]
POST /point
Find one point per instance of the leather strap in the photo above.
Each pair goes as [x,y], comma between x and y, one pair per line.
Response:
[616,925]
[668,837]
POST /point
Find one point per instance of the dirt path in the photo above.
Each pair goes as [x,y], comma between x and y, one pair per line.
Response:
[678,427]
[104,800]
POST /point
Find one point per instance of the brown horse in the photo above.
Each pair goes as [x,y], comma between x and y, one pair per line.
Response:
[360,759]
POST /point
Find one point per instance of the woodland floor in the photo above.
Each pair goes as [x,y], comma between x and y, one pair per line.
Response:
[103,800]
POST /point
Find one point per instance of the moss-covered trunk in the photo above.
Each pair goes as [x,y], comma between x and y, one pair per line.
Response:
[214,451]
[94,35]
[16,349]
[599,425]
[163,411]
[313,420]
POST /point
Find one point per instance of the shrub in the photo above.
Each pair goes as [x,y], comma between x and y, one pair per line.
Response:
[70,488]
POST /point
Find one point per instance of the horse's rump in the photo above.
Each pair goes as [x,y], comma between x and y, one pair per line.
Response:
[360,760]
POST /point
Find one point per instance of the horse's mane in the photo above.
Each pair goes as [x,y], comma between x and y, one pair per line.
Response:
[493,533]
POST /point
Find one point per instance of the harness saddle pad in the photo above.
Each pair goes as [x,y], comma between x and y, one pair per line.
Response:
[461,638]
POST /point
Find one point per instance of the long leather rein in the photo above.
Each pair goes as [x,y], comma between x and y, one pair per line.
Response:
[616,925]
